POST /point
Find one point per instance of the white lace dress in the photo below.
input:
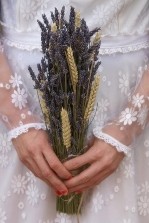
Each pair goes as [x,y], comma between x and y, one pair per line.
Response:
[123,101]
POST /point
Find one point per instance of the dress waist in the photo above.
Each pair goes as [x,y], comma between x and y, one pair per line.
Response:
[109,44]
[124,43]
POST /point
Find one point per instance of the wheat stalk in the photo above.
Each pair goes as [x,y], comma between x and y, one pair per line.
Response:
[66,129]
[97,38]
[77,19]
[54,27]
[72,67]
[44,108]
[91,100]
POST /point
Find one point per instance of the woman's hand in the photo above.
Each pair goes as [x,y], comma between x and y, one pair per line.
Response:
[103,160]
[35,152]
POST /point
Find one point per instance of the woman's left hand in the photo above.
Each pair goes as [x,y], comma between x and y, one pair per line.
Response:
[103,160]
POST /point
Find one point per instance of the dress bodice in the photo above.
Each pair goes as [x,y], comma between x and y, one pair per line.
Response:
[113,16]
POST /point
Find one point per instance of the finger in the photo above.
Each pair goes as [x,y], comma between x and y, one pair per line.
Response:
[56,165]
[79,161]
[35,170]
[86,175]
[89,185]
[96,180]
[33,167]
[49,175]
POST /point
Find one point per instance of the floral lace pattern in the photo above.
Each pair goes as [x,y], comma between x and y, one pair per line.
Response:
[28,191]
[19,98]
[25,198]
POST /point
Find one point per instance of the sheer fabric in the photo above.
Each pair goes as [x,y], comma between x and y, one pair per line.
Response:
[133,118]
[18,111]
[121,110]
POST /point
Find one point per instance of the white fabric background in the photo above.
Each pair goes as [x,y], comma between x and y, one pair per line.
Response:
[124,196]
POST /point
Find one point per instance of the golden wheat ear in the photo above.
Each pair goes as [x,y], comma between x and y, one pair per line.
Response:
[54,27]
[72,67]
[66,128]
[97,38]
[77,19]
[92,98]
[44,108]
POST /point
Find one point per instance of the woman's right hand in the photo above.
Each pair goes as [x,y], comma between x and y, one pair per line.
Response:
[35,151]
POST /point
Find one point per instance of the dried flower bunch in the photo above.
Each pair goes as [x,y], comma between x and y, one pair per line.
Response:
[67,82]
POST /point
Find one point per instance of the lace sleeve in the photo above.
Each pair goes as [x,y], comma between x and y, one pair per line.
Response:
[132,120]
[17,106]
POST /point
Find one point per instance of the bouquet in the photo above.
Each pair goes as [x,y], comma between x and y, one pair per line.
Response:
[67,83]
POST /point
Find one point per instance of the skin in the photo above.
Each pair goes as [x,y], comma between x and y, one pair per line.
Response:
[36,153]
[103,160]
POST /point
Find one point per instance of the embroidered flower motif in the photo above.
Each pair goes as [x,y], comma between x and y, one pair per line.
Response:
[28,9]
[32,193]
[138,100]
[30,177]
[145,187]
[3,217]
[15,80]
[143,205]
[18,184]
[101,119]
[102,105]
[62,218]
[19,98]
[116,189]
[4,161]
[128,116]
[42,7]
[116,5]
[21,205]
[123,83]
[4,118]
[129,171]
[98,202]
[43,196]
[101,16]
[42,4]
[5,145]
[142,116]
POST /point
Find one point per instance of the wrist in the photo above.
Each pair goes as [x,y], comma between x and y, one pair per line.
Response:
[121,135]
[14,133]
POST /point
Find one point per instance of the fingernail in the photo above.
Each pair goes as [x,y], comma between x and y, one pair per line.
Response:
[60,193]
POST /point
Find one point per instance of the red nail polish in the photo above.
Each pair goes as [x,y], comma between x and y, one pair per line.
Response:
[60,193]
[64,192]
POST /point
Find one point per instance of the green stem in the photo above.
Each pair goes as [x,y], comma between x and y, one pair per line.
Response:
[69,204]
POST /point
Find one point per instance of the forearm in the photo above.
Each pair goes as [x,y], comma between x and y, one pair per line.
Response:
[17,107]
[133,119]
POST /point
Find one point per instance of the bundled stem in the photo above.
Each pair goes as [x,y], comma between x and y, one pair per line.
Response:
[67,85]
